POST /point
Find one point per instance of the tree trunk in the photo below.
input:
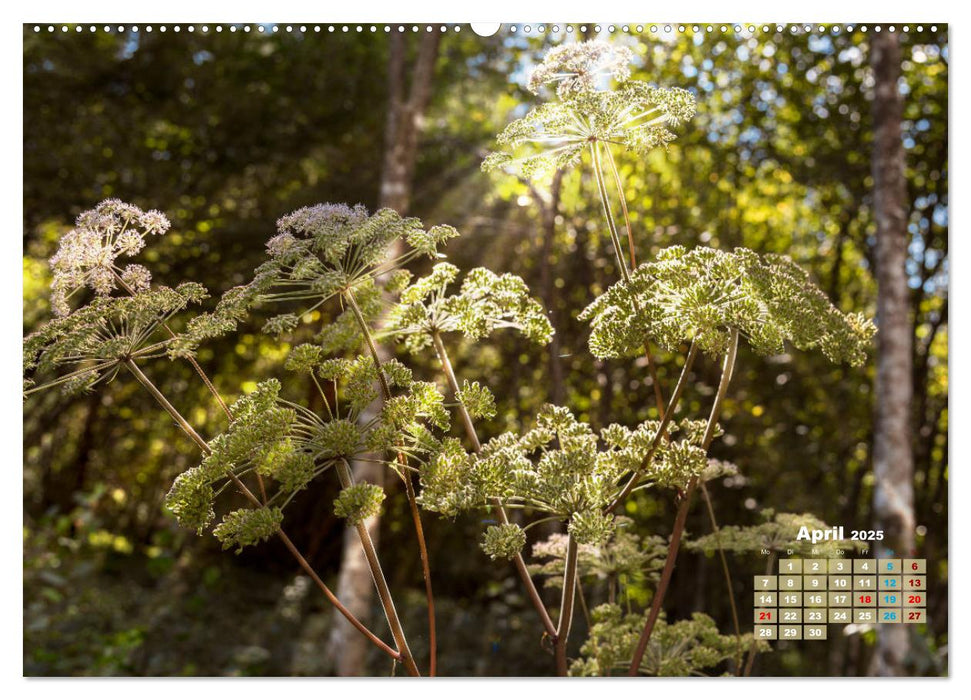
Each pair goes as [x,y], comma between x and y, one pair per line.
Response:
[402,129]
[893,494]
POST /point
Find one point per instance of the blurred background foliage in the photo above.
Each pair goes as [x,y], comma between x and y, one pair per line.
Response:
[225,132]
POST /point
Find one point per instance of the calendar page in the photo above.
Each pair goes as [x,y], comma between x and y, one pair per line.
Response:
[524,349]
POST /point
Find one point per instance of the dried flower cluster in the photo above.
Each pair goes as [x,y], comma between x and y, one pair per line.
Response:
[576,68]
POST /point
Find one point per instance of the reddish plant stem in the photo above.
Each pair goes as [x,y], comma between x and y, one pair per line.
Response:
[377,574]
[203,446]
[500,512]
[673,547]
[409,486]
[659,400]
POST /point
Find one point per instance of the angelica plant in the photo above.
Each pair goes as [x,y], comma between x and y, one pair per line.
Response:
[126,324]
[703,298]
[700,302]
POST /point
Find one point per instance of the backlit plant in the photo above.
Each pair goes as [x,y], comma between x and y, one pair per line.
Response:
[559,471]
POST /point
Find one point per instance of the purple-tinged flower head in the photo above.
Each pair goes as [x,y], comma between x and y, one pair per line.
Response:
[87,254]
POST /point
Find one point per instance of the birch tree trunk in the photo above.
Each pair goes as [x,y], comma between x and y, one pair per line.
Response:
[893,494]
[402,130]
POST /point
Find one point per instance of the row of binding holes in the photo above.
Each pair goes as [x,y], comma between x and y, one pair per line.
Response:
[261,28]
[526,28]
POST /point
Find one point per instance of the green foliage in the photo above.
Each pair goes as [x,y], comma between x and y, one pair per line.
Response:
[359,502]
[682,648]
[561,468]
[291,445]
[701,295]
[486,301]
[477,399]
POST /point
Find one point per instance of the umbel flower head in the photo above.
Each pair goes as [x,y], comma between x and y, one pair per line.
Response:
[486,301]
[561,468]
[576,68]
[87,254]
[633,115]
[89,344]
[320,252]
[777,533]
[682,648]
[702,295]
[291,445]
[624,558]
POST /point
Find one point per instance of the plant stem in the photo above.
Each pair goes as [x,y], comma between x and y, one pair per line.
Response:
[615,239]
[659,394]
[608,215]
[566,606]
[500,512]
[726,572]
[380,582]
[409,486]
[623,207]
[582,599]
[202,375]
[662,428]
[304,564]
[726,377]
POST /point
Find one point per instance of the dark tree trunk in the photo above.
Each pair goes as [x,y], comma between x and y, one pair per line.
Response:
[893,494]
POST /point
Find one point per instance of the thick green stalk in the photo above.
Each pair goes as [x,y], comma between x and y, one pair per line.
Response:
[727,368]
[380,582]
[500,512]
[409,486]
[566,606]
[288,543]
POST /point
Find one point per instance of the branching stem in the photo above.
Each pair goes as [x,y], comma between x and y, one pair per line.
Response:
[661,431]
[304,564]
[377,574]
[727,368]
[409,486]
[500,512]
